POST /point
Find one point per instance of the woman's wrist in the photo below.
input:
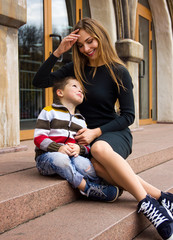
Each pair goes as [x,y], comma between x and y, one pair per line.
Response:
[98,132]
[56,53]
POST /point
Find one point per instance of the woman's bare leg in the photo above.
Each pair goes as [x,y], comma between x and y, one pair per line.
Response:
[101,172]
[118,169]
[150,189]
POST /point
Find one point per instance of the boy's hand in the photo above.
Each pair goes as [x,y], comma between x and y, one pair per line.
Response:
[75,149]
[66,149]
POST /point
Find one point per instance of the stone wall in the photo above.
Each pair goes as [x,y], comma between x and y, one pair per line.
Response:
[12,16]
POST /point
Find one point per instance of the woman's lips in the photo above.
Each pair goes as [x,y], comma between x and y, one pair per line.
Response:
[91,53]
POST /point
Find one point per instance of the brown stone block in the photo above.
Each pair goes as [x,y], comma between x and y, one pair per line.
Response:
[13,13]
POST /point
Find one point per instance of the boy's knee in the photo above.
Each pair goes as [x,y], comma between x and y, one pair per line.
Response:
[82,163]
[61,160]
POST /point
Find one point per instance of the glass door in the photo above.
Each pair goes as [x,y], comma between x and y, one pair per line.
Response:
[60,17]
[31,56]
[48,21]
[144,36]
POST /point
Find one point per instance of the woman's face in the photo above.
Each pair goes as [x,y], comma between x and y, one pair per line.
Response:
[88,46]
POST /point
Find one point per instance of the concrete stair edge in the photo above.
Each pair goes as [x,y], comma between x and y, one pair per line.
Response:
[142,163]
[23,208]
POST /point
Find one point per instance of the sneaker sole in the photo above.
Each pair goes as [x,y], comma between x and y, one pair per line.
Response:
[170,238]
[117,195]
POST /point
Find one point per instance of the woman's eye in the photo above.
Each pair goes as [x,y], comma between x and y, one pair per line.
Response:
[90,41]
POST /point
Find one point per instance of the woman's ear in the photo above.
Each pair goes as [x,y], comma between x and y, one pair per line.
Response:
[59,92]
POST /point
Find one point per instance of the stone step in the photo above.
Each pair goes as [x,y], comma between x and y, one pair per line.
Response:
[86,220]
[30,195]
[25,195]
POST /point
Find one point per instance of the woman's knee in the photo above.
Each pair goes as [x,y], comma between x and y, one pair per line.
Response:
[99,149]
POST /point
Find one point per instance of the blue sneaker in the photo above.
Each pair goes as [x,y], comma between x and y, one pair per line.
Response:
[159,216]
[104,193]
[166,200]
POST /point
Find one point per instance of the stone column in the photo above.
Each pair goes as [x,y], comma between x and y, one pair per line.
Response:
[12,16]
[131,52]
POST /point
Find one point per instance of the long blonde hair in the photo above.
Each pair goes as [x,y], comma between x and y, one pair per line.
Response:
[106,50]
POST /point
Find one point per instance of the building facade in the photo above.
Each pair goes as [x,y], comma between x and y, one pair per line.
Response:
[141,31]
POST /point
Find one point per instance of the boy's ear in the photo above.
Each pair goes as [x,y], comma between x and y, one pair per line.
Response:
[59,92]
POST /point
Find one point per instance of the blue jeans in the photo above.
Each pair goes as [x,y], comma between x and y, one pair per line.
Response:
[73,169]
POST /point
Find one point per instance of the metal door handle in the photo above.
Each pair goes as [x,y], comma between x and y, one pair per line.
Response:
[143,72]
[56,35]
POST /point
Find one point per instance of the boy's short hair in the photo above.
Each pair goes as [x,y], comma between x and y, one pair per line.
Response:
[60,84]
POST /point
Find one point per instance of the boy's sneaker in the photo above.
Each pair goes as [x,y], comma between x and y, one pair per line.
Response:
[159,216]
[104,193]
[166,200]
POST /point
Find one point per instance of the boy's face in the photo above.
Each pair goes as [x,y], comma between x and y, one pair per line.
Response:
[73,92]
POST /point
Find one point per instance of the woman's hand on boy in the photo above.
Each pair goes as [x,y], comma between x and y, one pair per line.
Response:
[85,136]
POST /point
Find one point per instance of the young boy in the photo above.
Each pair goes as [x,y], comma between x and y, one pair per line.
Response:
[57,152]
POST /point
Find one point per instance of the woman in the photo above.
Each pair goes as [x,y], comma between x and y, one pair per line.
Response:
[106,80]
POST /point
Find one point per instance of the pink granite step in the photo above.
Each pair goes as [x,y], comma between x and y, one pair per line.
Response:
[94,220]
[25,195]
[152,145]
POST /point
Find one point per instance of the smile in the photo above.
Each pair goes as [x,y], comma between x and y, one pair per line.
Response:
[91,53]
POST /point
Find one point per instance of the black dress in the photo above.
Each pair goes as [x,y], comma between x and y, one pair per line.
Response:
[98,107]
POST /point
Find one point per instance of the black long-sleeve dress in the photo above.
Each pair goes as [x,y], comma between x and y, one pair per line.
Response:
[99,106]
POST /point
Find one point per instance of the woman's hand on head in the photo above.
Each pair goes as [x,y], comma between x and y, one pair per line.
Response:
[85,136]
[66,43]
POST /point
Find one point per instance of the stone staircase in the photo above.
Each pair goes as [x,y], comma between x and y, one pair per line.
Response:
[36,207]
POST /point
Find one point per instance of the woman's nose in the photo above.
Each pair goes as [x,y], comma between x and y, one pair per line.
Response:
[86,48]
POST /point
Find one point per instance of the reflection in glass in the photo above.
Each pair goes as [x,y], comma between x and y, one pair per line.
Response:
[144,81]
[31,55]
[63,20]
[86,8]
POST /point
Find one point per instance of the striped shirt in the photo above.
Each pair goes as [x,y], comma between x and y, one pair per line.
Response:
[55,127]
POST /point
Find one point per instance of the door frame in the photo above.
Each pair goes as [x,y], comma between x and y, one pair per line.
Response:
[48,39]
[47,18]
[146,13]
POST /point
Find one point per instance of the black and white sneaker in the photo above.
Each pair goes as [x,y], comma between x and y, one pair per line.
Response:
[159,216]
[166,200]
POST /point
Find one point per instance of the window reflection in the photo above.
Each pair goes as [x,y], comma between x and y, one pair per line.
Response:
[31,55]
[63,20]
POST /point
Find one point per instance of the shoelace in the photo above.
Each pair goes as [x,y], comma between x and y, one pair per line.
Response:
[95,191]
[152,214]
[167,204]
